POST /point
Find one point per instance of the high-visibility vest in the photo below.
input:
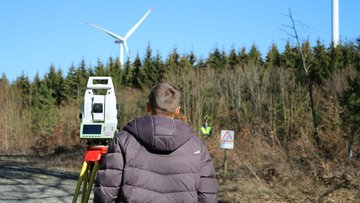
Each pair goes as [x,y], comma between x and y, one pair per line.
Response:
[206,131]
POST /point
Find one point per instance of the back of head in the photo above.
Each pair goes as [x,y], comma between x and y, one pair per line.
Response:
[164,99]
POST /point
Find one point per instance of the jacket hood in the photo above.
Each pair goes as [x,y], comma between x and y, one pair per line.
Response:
[159,134]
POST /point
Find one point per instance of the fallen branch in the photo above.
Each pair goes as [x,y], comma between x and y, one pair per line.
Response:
[343,184]
[248,167]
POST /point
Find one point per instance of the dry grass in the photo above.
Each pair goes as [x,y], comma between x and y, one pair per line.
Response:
[261,170]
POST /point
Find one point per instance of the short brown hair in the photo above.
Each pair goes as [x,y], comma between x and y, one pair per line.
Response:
[164,98]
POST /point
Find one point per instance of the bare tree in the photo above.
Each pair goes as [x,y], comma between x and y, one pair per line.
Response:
[309,84]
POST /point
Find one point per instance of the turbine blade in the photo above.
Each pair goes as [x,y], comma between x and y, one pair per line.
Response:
[106,31]
[128,34]
[126,48]
[121,54]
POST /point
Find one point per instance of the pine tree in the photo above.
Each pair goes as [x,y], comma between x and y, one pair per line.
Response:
[23,86]
[100,69]
[42,111]
[191,58]
[160,67]
[82,76]
[71,83]
[150,70]
[349,55]
[336,57]
[138,76]
[351,116]
[115,72]
[255,56]
[126,76]
[243,58]
[172,63]
[304,63]
[224,60]
[60,90]
[200,64]
[184,65]
[54,82]
[90,72]
[215,60]
[233,61]
[357,54]
[273,57]
[321,69]
[289,57]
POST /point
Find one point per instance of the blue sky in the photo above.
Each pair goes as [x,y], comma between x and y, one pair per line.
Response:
[35,34]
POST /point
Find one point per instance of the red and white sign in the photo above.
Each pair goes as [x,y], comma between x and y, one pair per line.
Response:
[227,139]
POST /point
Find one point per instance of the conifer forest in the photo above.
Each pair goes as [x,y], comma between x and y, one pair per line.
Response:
[295,113]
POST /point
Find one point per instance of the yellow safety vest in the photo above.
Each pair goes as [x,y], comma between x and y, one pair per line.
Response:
[206,131]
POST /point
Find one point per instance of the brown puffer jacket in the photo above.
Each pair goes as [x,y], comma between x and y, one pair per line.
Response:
[156,159]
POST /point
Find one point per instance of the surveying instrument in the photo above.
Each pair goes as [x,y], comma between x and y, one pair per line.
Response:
[98,125]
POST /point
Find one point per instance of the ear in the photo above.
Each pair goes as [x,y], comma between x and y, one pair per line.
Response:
[148,107]
[177,111]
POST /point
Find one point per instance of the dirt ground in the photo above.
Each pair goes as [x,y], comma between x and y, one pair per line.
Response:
[25,184]
[34,179]
[53,179]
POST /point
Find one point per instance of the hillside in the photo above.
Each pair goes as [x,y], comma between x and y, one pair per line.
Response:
[296,131]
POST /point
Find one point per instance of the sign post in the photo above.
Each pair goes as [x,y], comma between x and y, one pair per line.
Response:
[226,142]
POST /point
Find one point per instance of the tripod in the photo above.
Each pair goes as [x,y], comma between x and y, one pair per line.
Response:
[90,166]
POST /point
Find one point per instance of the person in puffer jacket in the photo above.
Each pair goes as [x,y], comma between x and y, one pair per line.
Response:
[157,158]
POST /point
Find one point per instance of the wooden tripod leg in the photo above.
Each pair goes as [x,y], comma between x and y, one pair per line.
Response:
[80,180]
[91,182]
[85,181]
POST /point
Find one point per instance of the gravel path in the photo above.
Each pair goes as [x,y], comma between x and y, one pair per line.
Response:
[27,184]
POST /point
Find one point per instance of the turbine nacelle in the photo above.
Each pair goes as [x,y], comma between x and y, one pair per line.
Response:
[118,41]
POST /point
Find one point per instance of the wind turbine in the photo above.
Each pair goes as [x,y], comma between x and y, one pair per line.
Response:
[335,22]
[122,40]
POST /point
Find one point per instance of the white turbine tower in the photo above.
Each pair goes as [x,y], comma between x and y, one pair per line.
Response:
[335,22]
[122,40]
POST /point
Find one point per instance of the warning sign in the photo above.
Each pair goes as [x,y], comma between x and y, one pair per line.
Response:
[227,139]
